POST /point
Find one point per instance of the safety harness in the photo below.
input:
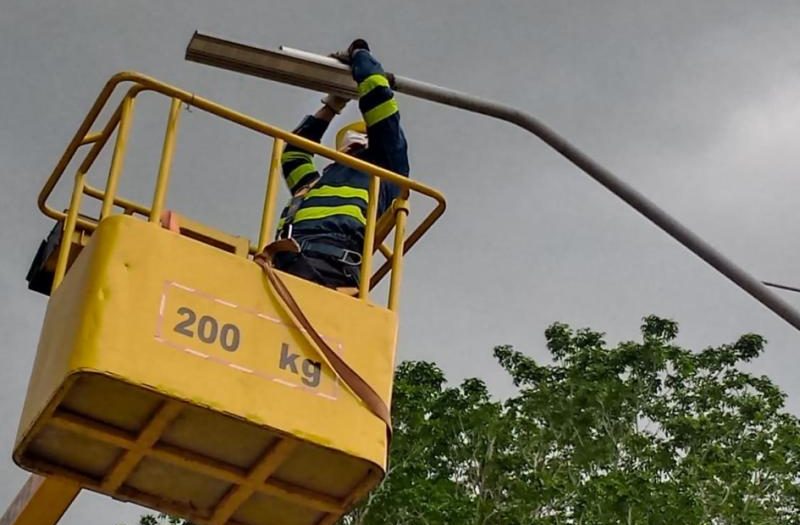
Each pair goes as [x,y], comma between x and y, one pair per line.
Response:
[350,377]
[292,209]
[286,243]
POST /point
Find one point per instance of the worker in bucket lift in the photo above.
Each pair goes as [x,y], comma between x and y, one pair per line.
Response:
[321,231]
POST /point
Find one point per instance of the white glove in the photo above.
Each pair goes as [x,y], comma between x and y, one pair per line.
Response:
[335,102]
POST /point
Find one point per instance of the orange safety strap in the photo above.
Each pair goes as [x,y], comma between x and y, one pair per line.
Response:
[355,382]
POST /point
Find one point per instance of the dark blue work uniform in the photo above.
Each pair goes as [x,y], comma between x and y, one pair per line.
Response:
[329,222]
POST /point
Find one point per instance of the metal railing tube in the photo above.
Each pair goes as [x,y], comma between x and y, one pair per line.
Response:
[68,230]
[397,257]
[369,237]
[118,157]
[122,118]
[165,167]
[273,177]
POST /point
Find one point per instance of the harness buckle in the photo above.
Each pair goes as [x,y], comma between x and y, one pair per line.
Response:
[331,252]
[350,257]
[286,232]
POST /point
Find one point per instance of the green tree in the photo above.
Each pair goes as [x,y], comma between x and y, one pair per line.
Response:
[162,519]
[644,432]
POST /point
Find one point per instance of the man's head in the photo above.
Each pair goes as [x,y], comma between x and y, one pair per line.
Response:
[353,142]
[352,138]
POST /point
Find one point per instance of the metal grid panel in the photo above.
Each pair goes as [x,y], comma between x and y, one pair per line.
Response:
[233,494]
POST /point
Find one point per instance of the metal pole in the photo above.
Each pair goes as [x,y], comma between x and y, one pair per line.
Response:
[617,186]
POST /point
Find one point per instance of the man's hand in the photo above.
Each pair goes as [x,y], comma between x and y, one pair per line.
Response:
[345,57]
[341,56]
[335,103]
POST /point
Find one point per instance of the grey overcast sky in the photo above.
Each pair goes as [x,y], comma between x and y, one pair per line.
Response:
[696,104]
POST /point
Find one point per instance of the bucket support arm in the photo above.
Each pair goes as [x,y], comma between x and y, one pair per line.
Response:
[40,501]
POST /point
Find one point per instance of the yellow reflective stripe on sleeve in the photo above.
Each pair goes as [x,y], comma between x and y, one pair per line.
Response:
[322,212]
[345,192]
[298,173]
[371,82]
[380,112]
[296,155]
[281,223]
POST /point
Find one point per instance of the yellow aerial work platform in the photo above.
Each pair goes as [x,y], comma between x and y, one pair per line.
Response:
[170,373]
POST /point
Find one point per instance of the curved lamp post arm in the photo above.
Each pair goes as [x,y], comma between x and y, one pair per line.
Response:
[308,70]
[613,183]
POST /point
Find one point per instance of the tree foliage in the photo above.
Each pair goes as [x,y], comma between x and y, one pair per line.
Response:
[643,432]
[162,519]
